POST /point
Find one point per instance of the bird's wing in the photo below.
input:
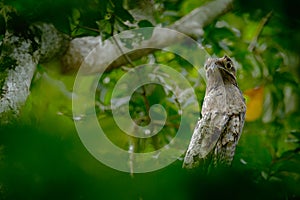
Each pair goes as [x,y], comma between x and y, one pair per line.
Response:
[209,128]
[236,106]
[225,147]
[206,134]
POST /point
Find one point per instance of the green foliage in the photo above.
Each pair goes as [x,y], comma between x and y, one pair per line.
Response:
[143,98]
[43,155]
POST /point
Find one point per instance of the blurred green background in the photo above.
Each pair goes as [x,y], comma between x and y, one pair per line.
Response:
[42,157]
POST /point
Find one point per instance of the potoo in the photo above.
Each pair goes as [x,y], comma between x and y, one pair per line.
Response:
[223,113]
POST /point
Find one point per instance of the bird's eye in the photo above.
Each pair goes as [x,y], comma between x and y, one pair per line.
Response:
[228,65]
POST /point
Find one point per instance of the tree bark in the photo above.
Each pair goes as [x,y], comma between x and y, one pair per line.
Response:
[19,58]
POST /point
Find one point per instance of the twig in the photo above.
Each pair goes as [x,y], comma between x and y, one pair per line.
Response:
[129,61]
[88,28]
[259,29]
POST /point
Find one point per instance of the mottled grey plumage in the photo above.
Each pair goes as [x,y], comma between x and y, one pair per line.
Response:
[223,112]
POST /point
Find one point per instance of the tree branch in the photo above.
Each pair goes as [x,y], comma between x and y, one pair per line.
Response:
[190,24]
[193,23]
[21,54]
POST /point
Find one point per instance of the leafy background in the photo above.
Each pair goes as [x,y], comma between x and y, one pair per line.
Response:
[42,157]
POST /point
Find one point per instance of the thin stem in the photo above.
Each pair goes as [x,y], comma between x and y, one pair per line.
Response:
[88,28]
[259,29]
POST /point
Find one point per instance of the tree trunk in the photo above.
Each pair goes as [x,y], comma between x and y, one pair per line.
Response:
[19,58]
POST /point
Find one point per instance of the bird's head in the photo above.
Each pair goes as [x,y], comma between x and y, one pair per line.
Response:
[223,66]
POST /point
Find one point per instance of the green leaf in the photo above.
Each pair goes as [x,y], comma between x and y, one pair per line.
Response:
[104,26]
[296,133]
[290,166]
[123,14]
[145,23]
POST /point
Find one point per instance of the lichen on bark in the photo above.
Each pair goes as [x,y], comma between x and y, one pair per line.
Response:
[19,57]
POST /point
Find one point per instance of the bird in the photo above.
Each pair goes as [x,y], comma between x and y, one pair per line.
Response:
[218,131]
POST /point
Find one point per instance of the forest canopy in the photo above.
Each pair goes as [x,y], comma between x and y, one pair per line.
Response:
[41,153]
